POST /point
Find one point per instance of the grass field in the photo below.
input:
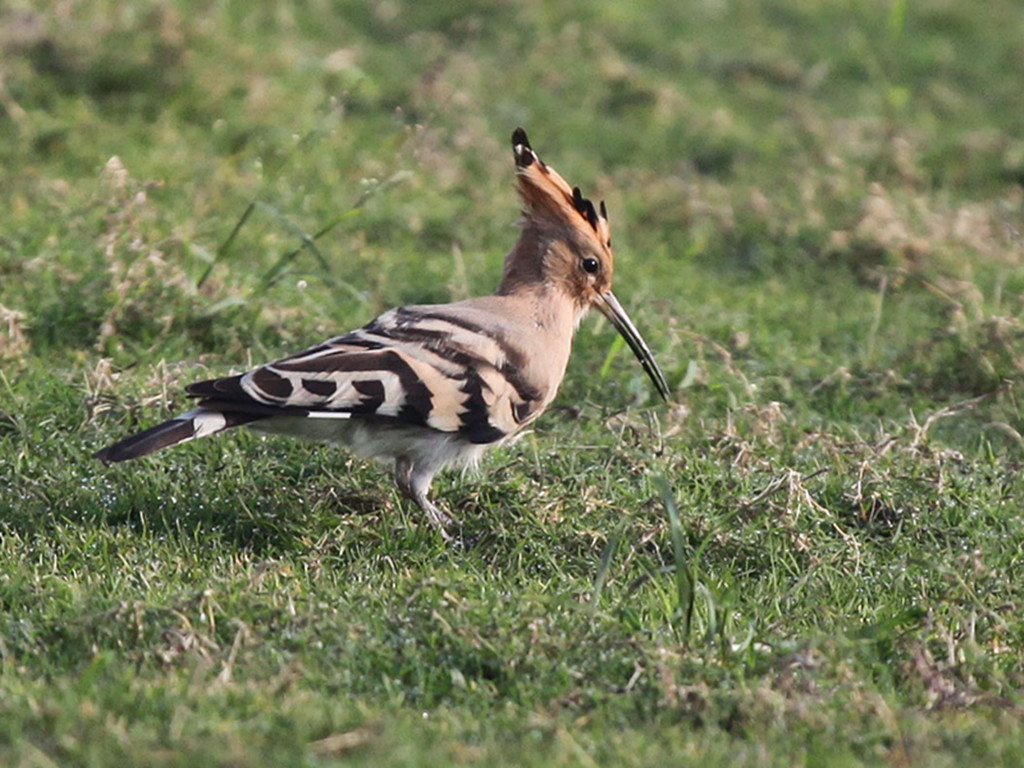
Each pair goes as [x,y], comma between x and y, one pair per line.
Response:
[814,557]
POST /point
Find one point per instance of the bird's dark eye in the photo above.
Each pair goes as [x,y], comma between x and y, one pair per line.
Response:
[590,264]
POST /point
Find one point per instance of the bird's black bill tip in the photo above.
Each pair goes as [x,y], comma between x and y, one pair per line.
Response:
[612,309]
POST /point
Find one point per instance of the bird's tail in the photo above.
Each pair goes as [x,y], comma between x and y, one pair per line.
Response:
[200,422]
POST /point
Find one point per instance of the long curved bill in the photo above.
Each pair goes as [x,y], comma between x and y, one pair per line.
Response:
[611,309]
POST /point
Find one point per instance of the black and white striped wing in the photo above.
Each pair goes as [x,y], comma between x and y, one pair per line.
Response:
[409,364]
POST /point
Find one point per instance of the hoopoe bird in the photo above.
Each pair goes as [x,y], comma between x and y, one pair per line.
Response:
[435,385]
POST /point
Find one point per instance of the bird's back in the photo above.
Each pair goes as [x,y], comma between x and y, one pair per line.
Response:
[480,368]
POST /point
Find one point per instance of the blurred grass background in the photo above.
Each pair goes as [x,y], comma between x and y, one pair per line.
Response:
[813,558]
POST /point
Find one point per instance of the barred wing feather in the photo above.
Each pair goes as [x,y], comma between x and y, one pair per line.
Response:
[410,364]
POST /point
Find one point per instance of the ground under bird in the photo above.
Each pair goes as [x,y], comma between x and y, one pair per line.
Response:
[435,385]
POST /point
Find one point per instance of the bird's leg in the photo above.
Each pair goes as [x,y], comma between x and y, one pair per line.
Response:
[414,482]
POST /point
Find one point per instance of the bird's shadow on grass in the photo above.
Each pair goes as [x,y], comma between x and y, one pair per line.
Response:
[272,501]
[196,495]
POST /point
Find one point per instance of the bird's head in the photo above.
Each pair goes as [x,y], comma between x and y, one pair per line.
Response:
[566,244]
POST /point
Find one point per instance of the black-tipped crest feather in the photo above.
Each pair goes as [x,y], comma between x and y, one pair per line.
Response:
[519,137]
[585,207]
[524,155]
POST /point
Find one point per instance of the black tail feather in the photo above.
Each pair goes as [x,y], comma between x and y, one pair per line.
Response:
[171,432]
[153,439]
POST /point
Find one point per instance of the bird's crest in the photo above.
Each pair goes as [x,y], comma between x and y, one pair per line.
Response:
[549,200]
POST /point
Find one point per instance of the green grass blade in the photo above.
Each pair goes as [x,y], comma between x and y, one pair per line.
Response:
[613,351]
[225,247]
[685,570]
[607,556]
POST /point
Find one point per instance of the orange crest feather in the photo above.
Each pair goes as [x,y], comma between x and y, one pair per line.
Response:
[548,198]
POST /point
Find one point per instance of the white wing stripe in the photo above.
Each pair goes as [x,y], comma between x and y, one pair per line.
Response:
[207,422]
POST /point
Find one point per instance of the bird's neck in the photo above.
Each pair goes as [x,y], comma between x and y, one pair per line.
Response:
[523,271]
